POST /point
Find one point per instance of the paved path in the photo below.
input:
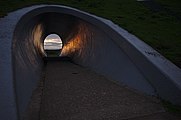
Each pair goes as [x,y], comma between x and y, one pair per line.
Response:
[71,92]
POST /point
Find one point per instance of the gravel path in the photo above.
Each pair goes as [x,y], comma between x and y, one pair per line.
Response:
[71,92]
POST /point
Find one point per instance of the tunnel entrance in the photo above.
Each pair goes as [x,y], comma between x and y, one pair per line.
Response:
[53,45]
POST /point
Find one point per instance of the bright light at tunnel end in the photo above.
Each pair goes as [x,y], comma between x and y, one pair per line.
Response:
[53,42]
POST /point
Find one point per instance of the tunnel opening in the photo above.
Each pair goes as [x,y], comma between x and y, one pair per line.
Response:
[53,45]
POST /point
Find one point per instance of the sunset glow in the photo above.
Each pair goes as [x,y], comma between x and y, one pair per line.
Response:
[77,43]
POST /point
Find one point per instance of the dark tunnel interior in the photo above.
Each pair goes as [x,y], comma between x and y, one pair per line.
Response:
[74,32]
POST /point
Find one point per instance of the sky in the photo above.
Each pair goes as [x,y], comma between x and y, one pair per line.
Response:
[52,42]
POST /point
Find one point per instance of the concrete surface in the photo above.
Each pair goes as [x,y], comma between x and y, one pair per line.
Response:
[90,41]
[71,92]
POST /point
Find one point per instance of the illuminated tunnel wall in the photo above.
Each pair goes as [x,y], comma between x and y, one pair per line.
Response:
[90,41]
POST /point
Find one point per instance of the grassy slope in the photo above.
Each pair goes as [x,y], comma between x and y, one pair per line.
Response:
[174,5]
[160,30]
[53,53]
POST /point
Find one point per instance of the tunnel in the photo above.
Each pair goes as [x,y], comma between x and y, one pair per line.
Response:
[90,41]
[84,43]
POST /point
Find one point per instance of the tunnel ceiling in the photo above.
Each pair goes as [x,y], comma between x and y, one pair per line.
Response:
[74,32]
[58,23]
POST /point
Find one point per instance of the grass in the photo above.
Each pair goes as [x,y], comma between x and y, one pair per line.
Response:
[159,29]
[171,108]
[52,53]
[173,5]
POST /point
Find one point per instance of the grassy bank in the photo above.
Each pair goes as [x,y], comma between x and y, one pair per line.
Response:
[53,53]
[159,29]
[171,108]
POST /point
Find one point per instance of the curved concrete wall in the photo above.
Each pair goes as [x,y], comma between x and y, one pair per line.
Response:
[91,41]
[27,62]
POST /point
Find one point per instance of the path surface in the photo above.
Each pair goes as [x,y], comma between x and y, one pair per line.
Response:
[71,92]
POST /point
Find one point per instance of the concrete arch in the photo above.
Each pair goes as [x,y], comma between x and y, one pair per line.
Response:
[85,40]
[91,41]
